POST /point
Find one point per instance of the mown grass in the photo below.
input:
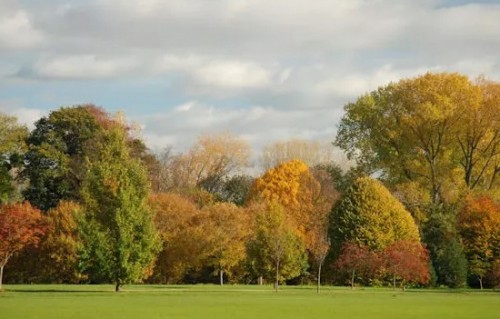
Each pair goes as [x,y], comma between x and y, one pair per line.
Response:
[207,301]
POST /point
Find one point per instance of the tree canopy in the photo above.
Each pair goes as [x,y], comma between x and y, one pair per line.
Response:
[369,215]
[440,130]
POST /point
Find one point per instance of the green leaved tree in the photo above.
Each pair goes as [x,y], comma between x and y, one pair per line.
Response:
[119,238]
[276,250]
[369,215]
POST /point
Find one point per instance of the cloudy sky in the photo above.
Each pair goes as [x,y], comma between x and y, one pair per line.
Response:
[263,69]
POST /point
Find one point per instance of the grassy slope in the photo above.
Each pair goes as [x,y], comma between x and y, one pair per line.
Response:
[208,302]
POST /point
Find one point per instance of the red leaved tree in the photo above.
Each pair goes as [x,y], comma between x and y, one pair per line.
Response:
[20,225]
[407,261]
[357,260]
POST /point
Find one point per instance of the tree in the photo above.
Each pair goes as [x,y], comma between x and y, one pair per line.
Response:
[442,239]
[357,260]
[440,130]
[20,225]
[228,233]
[407,261]
[310,152]
[12,148]
[478,138]
[369,215]
[211,159]
[57,147]
[276,249]
[292,185]
[119,238]
[318,240]
[58,249]
[307,197]
[184,231]
[479,227]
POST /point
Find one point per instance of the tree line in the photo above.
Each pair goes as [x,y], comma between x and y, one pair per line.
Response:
[83,200]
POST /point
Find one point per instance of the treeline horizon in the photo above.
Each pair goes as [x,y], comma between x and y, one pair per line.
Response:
[420,207]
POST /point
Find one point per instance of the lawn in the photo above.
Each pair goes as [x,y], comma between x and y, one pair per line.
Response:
[206,302]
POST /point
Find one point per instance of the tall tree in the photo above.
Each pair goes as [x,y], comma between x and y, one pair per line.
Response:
[20,225]
[119,238]
[440,130]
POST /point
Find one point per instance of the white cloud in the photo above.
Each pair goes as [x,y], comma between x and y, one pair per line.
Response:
[352,85]
[234,74]
[24,115]
[281,68]
[83,67]
[17,32]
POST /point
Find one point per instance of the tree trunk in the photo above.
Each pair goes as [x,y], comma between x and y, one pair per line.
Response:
[260,280]
[276,282]
[1,277]
[352,279]
[221,277]
[480,282]
[117,286]
[394,282]
[319,278]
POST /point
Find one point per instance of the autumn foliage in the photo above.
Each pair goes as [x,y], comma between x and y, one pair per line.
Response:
[479,226]
[407,262]
[20,225]
[358,261]
[426,155]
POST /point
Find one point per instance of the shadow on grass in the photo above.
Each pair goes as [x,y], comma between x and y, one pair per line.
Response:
[55,291]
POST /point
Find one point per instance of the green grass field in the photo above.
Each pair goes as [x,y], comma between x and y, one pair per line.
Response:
[206,301]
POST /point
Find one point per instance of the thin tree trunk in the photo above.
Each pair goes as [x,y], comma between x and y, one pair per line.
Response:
[117,286]
[260,280]
[394,282]
[221,277]
[480,282]
[276,282]
[319,277]
[352,279]
[1,277]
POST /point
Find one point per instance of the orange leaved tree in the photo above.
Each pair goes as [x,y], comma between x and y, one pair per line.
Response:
[479,225]
[20,225]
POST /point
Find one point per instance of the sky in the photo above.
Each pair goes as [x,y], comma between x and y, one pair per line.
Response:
[264,70]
